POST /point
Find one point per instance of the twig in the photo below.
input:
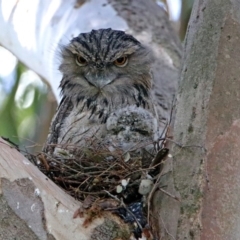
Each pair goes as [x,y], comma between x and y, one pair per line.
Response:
[11,142]
[166,228]
[151,195]
[184,146]
[123,205]
[169,194]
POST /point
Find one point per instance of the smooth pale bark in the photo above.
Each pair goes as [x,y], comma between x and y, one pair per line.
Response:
[33,207]
[206,172]
[32,197]
[33,30]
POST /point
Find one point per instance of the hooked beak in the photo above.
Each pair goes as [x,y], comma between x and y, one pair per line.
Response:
[99,82]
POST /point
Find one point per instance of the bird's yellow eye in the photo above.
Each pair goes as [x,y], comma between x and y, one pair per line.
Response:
[121,62]
[81,61]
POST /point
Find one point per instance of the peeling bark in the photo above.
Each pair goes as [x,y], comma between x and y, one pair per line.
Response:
[33,207]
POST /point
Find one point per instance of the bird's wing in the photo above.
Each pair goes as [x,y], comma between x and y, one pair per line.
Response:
[62,112]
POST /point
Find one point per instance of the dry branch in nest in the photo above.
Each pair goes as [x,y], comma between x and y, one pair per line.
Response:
[101,179]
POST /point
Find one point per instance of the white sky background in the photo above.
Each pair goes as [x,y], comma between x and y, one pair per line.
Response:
[174,9]
[8,61]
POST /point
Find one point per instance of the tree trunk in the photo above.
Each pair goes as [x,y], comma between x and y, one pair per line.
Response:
[206,169]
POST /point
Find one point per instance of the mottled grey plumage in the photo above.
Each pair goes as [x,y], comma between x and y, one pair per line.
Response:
[107,93]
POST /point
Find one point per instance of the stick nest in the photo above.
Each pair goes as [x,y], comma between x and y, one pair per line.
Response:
[95,170]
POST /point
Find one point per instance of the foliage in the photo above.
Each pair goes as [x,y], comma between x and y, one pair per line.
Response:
[20,107]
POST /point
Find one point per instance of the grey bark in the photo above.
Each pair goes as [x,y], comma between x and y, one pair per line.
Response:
[206,169]
[33,207]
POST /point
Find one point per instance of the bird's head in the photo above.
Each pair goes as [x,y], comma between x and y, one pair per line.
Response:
[106,62]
